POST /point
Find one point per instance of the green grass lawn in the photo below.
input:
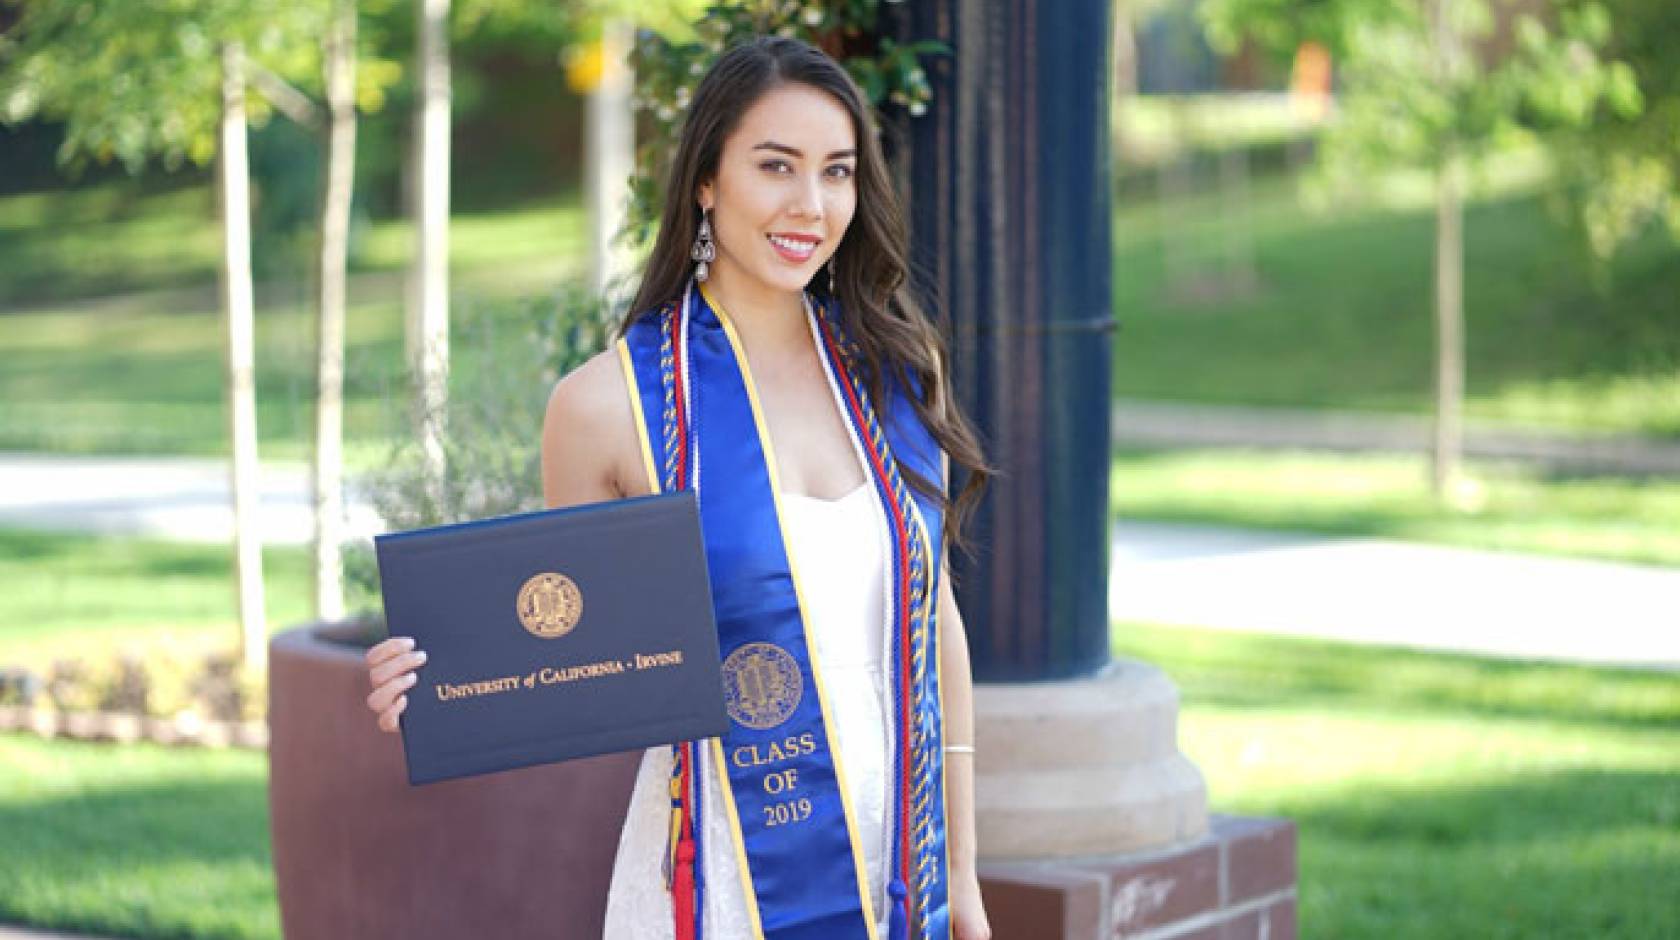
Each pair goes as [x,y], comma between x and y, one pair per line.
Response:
[108,238]
[135,841]
[79,595]
[1342,317]
[1442,796]
[1513,508]
[116,238]
[1436,795]
[146,381]
[142,372]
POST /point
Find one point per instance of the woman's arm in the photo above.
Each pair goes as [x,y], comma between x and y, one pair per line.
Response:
[956,684]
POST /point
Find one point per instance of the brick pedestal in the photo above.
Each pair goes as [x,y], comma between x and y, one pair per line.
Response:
[1237,882]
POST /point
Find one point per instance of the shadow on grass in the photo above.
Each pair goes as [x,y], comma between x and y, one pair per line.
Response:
[1578,853]
[147,824]
[1257,671]
[25,546]
[178,859]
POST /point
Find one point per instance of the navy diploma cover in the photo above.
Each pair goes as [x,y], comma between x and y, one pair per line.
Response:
[555,634]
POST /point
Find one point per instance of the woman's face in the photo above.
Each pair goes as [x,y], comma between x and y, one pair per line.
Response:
[784,191]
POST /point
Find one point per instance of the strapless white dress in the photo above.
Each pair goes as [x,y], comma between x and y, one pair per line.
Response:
[838,548]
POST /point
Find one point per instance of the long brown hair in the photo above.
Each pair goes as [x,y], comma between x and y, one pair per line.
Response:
[870,265]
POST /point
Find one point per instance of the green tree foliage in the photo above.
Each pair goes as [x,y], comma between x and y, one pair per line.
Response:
[1281,26]
[1511,72]
[131,80]
[1519,69]
[547,23]
[1622,169]
[1441,85]
[136,79]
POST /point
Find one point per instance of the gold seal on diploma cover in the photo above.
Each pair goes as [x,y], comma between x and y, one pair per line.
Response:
[549,605]
[761,685]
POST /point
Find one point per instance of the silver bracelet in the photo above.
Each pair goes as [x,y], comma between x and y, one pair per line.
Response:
[959,749]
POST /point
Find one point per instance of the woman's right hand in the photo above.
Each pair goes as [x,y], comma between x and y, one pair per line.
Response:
[391,666]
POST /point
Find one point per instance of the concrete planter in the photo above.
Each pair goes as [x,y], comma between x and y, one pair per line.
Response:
[360,853]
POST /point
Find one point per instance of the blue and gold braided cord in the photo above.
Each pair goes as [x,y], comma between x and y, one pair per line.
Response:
[668,382]
[682,753]
[924,743]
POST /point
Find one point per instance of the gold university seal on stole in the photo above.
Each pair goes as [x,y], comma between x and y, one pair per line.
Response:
[761,685]
[549,605]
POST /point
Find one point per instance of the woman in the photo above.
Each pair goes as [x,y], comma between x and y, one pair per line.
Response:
[774,363]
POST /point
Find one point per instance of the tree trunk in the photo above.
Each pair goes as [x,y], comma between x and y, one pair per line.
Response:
[428,327]
[611,139]
[340,80]
[234,187]
[1242,270]
[1124,48]
[1449,286]
[1449,330]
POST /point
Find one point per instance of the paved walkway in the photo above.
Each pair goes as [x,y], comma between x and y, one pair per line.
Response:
[180,498]
[1350,589]
[1371,590]
[27,933]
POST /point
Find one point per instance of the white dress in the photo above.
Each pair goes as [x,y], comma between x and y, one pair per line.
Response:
[838,547]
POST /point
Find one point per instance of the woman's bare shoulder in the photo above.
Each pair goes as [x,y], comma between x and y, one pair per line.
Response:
[586,391]
[589,447]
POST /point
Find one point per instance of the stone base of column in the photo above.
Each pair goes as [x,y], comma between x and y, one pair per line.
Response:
[1083,767]
[1091,825]
[1236,882]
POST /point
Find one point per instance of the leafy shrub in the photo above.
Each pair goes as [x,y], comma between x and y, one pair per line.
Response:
[506,357]
[164,682]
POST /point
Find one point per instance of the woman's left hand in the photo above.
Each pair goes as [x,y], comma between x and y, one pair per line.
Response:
[968,915]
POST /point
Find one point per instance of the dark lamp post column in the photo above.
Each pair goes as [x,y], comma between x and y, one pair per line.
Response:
[1008,176]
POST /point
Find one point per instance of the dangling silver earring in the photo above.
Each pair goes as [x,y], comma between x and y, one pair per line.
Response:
[704,251]
[831,277]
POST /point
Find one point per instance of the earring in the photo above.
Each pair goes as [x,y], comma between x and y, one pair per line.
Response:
[704,251]
[831,277]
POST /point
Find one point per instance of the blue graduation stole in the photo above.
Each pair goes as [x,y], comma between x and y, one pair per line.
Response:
[789,816]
